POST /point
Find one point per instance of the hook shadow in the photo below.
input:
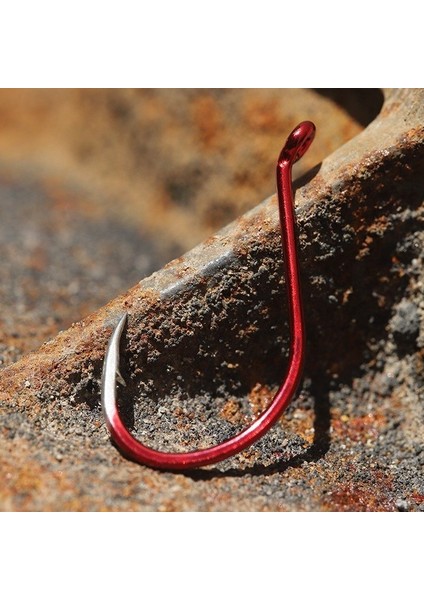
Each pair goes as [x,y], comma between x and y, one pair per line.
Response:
[318,449]
[306,177]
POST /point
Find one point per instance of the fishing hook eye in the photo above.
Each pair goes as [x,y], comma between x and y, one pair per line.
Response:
[298,142]
[296,145]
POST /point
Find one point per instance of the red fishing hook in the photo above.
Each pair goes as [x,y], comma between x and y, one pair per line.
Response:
[295,147]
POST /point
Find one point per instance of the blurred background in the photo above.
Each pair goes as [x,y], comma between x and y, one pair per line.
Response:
[99,188]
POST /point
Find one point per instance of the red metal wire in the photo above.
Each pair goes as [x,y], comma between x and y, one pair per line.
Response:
[296,145]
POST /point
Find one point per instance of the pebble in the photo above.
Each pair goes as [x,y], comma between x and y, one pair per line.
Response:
[402,505]
[405,323]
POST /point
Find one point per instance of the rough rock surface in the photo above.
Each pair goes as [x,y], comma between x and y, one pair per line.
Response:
[206,344]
